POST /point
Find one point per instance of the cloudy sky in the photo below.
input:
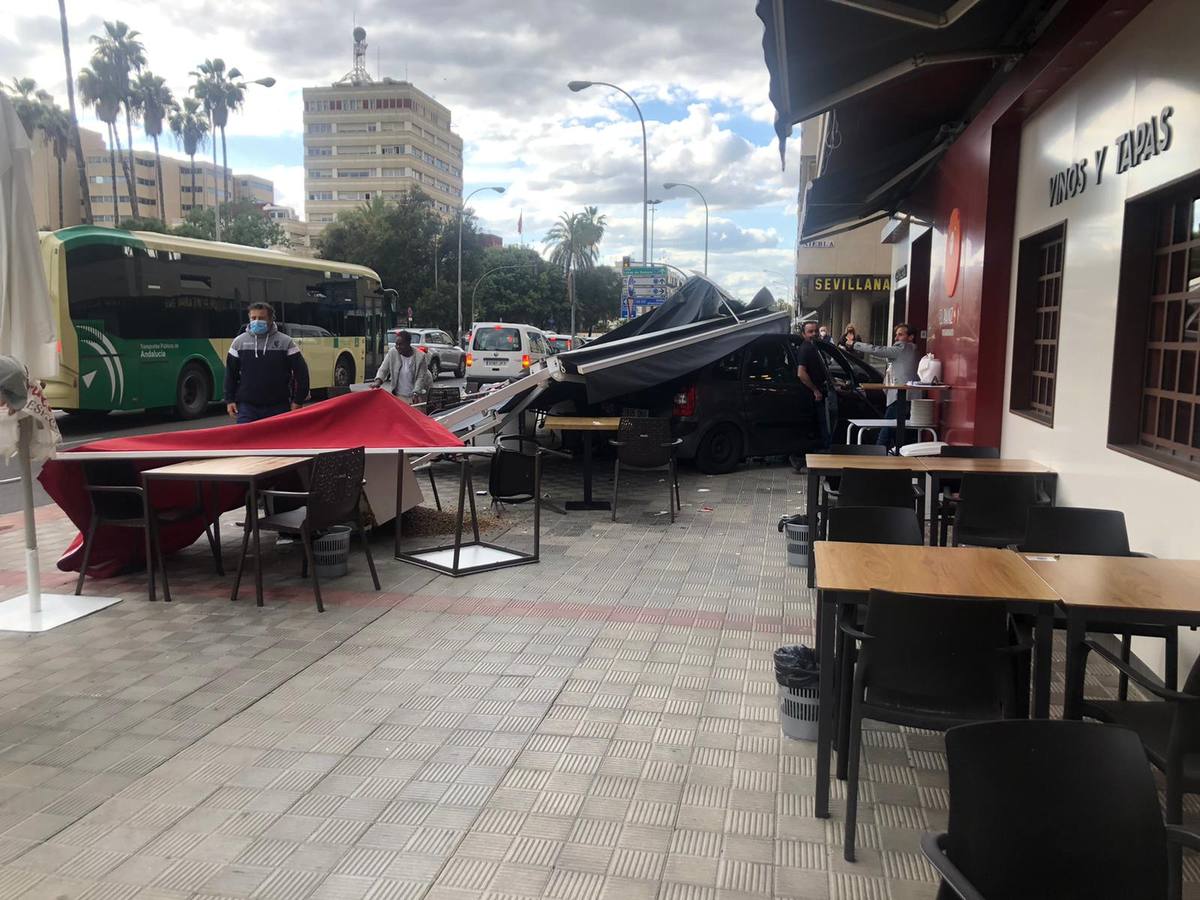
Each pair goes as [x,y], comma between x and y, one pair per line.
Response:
[695,66]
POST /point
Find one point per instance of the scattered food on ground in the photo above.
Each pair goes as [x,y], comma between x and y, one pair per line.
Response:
[421,520]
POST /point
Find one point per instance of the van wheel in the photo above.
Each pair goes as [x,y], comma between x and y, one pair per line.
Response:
[435,367]
[193,392]
[461,371]
[343,372]
[720,451]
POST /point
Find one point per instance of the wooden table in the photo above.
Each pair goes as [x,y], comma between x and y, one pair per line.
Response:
[1115,589]
[939,467]
[832,464]
[586,424]
[846,572]
[902,395]
[248,470]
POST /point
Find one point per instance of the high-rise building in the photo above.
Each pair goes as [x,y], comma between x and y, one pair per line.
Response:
[178,197]
[365,139]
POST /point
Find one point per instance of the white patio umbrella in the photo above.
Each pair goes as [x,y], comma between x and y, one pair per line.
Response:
[28,335]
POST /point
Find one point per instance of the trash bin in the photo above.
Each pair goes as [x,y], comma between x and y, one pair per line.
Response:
[795,529]
[331,551]
[798,677]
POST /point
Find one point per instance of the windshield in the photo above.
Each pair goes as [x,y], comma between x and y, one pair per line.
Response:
[498,339]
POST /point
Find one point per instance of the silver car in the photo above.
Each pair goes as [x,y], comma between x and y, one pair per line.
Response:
[444,354]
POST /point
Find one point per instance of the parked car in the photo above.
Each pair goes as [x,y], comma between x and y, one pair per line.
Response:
[558,342]
[444,354]
[752,403]
[502,351]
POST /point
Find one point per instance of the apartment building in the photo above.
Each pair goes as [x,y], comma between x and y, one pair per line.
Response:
[365,139]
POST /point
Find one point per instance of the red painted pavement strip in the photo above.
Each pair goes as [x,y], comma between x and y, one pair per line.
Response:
[41,515]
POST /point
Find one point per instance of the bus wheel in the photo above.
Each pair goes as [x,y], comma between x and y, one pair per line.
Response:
[343,372]
[193,392]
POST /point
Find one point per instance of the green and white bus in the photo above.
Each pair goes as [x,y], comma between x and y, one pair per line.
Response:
[145,319]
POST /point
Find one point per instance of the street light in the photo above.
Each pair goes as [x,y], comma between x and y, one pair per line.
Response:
[674,184]
[480,279]
[652,204]
[578,86]
[461,213]
[233,73]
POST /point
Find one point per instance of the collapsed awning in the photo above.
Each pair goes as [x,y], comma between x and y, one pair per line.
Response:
[900,81]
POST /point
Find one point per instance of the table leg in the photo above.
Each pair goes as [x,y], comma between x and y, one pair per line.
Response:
[587,502]
[252,491]
[399,500]
[937,533]
[1043,641]
[901,419]
[825,635]
[814,488]
[1076,664]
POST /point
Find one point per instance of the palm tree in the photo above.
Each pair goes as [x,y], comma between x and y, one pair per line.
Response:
[574,244]
[84,192]
[156,102]
[56,126]
[28,102]
[220,93]
[99,89]
[191,131]
[119,45]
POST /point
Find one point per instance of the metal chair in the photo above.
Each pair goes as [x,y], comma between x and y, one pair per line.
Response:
[993,509]
[332,498]
[878,487]
[512,475]
[646,445]
[948,499]
[118,500]
[927,662]
[831,484]
[1045,810]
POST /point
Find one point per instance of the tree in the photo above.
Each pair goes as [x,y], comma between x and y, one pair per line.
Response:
[147,224]
[242,222]
[81,164]
[98,88]
[574,242]
[120,48]
[598,296]
[191,133]
[220,94]
[56,126]
[29,102]
[155,101]
[517,285]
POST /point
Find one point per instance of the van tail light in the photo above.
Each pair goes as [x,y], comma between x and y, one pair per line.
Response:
[470,360]
[524,360]
[423,349]
[685,402]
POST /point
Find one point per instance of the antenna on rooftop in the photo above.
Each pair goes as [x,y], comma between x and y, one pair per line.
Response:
[359,74]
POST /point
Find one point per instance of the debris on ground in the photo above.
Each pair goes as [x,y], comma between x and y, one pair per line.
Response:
[421,520]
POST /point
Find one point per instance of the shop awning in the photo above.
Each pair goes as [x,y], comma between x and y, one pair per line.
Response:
[900,80]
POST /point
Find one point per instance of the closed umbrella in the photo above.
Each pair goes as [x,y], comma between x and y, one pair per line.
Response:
[27,345]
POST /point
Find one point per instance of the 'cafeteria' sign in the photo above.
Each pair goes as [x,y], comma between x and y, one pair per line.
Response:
[856,283]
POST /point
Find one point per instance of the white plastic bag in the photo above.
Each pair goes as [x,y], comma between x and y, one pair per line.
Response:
[929,369]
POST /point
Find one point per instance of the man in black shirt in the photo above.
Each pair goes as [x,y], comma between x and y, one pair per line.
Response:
[815,377]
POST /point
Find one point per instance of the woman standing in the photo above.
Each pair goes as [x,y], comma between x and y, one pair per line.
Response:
[849,336]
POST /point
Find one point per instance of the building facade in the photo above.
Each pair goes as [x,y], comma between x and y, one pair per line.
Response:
[365,139]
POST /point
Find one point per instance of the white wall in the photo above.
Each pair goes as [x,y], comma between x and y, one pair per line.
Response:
[1149,65]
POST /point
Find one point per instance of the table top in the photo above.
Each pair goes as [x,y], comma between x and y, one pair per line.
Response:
[998,466]
[1121,582]
[837,461]
[941,571]
[231,468]
[879,386]
[583,423]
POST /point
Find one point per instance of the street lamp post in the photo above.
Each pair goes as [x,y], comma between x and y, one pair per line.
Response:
[233,73]
[653,204]
[461,213]
[675,184]
[578,86]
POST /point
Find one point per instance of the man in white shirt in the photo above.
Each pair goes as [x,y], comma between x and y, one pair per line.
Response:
[405,371]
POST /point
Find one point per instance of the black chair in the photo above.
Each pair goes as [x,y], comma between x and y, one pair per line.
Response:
[512,476]
[117,499]
[332,498]
[927,662]
[1044,810]
[831,484]
[877,487]
[948,495]
[1097,532]
[993,509]
[646,445]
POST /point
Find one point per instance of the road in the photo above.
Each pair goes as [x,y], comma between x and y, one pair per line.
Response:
[77,430]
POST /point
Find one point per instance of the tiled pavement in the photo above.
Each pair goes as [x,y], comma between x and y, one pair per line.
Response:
[600,725]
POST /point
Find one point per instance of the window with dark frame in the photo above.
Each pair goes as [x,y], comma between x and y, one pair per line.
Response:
[1036,324]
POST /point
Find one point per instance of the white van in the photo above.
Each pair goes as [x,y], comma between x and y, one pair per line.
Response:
[501,351]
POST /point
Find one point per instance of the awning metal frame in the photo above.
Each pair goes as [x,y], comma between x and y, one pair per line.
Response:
[911,16]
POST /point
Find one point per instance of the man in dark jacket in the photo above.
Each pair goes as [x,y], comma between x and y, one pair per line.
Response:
[265,372]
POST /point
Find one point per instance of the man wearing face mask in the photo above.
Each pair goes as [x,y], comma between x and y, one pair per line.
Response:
[265,372]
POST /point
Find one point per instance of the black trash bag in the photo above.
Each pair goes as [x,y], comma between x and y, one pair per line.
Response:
[784,521]
[796,667]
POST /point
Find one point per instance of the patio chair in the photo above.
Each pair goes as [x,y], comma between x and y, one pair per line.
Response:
[512,475]
[878,487]
[927,662]
[993,509]
[1045,810]
[947,500]
[1098,532]
[333,497]
[118,500]
[646,445]
[831,484]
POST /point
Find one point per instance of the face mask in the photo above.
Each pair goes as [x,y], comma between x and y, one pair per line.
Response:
[259,326]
